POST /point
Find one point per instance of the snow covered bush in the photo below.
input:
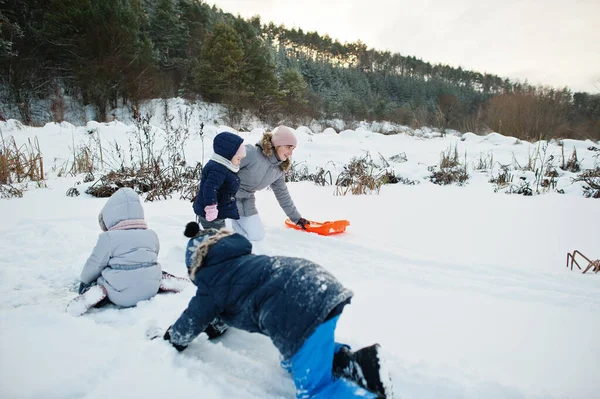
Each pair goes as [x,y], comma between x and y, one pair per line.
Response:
[19,165]
[363,176]
[572,164]
[449,170]
[591,179]
[158,173]
[299,172]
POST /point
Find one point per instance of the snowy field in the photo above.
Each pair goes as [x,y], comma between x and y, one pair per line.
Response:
[466,289]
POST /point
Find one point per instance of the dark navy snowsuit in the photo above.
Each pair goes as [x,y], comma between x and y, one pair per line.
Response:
[218,184]
[293,301]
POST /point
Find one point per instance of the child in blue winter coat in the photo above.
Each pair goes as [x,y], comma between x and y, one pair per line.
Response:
[219,183]
[293,301]
[123,268]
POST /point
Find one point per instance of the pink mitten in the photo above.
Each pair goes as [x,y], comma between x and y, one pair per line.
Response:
[211,212]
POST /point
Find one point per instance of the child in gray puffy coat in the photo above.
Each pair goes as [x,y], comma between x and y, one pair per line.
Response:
[123,268]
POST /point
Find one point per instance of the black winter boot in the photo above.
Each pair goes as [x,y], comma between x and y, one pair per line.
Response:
[364,368]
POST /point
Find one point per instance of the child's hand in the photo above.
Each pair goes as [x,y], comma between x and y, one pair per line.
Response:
[167,337]
[211,212]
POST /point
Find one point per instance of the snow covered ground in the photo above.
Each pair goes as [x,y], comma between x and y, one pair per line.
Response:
[465,289]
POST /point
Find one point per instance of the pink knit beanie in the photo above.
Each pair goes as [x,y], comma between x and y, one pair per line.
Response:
[283,135]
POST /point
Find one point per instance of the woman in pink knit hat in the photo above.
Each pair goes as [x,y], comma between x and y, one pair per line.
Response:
[264,166]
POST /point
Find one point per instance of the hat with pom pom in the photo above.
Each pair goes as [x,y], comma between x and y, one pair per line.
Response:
[199,244]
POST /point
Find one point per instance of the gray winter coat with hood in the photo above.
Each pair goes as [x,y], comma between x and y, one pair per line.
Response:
[260,169]
[124,261]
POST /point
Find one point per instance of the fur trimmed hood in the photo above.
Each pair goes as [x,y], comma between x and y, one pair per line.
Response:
[209,246]
[267,148]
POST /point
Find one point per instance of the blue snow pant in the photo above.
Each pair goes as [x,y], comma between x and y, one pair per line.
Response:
[312,368]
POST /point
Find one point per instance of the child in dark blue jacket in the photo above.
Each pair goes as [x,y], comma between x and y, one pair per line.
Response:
[293,301]
[219,183]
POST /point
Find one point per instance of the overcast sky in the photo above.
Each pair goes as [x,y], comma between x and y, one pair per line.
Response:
[551,42]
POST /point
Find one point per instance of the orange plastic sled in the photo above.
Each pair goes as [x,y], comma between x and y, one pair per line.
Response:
[322,228]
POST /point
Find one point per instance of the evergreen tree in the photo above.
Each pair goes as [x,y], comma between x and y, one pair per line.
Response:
[168,33]
[10,31]
[109,50]
[219,72]
[22,58]
[294,90]
[97,43]
[258,70]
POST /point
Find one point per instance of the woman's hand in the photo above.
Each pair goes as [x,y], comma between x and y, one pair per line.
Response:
[303,223]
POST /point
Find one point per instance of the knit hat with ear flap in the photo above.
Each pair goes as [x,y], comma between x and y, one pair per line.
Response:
[283,135]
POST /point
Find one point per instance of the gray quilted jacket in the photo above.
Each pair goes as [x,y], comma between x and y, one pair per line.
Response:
[124,261]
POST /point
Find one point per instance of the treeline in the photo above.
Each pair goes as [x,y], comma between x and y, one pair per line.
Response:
[113,52]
